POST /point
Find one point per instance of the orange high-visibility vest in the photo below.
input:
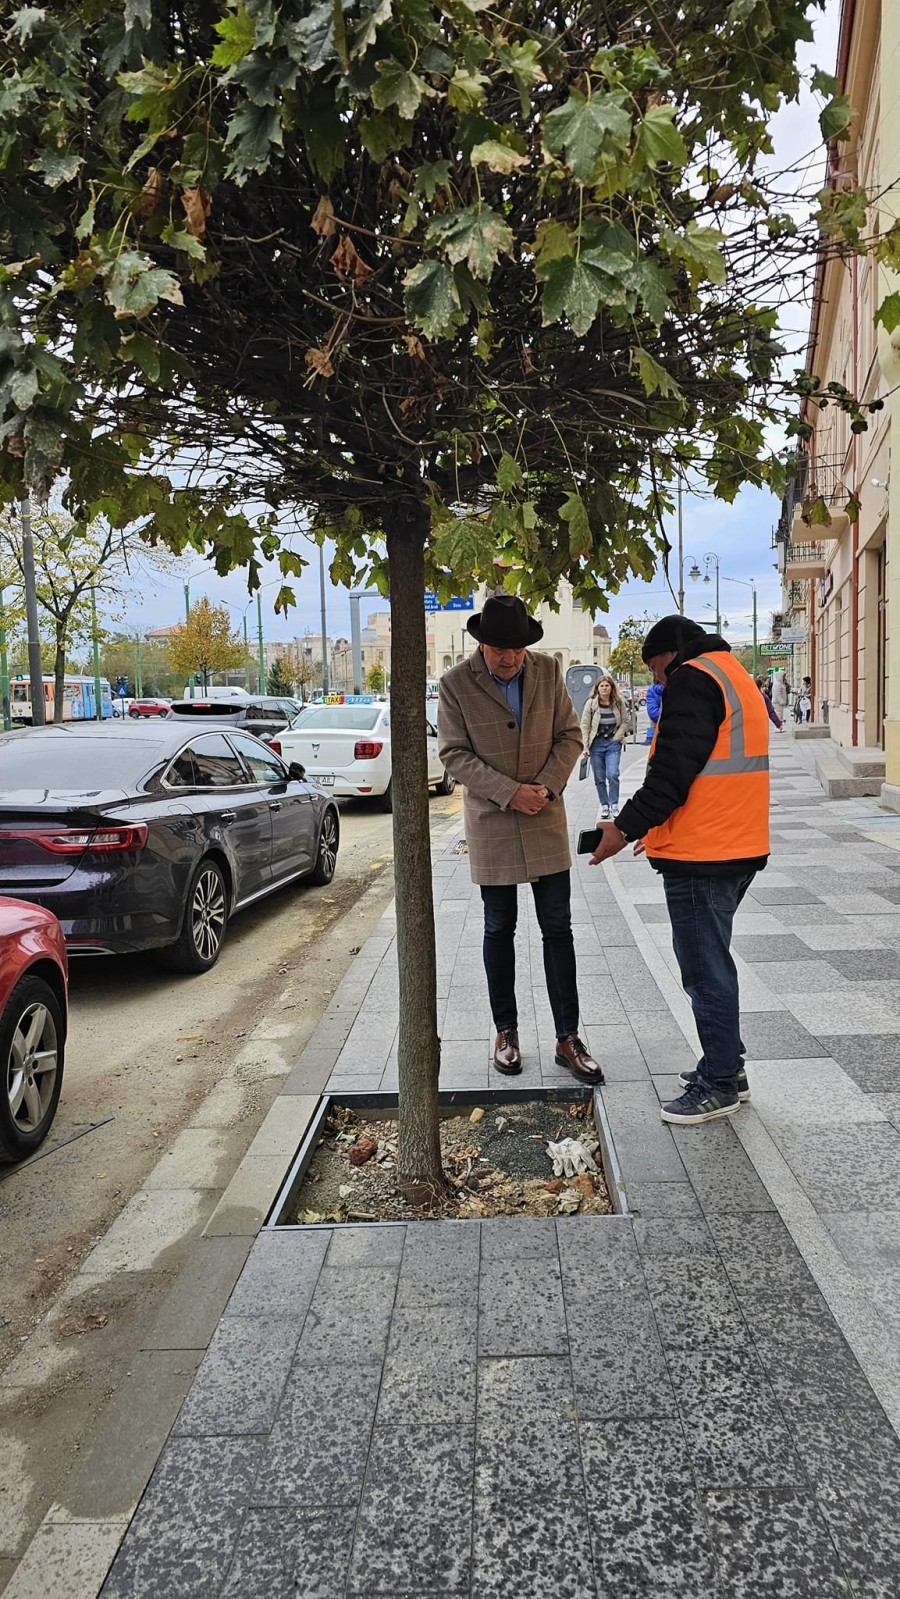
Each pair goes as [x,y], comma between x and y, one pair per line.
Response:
[726,814]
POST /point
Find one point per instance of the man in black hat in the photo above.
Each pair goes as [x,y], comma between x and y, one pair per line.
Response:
[702,817]
[509,734]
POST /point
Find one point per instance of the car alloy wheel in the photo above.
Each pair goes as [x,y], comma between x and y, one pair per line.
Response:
[326,860]
[32,1055]
[208,914]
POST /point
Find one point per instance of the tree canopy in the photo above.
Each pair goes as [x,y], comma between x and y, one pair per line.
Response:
[466,268]
[205,642]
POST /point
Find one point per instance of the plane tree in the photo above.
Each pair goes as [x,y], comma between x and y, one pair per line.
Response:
[464,287]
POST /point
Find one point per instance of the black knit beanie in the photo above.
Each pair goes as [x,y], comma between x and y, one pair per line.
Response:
[671,633]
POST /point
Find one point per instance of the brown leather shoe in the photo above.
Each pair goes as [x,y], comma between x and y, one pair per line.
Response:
[506,1052]
[571,1052]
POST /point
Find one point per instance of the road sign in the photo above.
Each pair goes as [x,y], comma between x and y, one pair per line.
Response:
[433,604]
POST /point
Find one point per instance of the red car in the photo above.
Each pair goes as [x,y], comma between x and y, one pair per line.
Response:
[150,707]
[33,1014]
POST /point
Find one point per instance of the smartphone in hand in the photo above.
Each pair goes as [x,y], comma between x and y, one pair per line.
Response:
[588,841]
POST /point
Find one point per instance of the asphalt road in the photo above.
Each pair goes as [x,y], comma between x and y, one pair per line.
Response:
[146,1047]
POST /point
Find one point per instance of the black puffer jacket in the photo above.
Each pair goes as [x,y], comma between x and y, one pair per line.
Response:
[693,710]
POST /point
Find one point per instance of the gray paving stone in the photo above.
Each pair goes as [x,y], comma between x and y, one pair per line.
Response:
[794,914]
[721,1173]
[643,1142]
[519,1238]
[181,1541]
[366,1246]
[240,1381]
[679,1237]
[779,1037]
[694,1304]
[760,1256]
[520,1308]
[598,1254]
[540,1385]
[735,1430]
[662,1199]
[778,947]
[349,1316]
[868,1239]
[317,1451]
[535,1549]
[872,1061]
[280,1275]
[846,1168]
[653,913]
[782,896]
[773,1545]
[618,1362]
[397,1548]
[282,1553]
[805,1355]
[640,1489]
[429,1372]
[440,1263]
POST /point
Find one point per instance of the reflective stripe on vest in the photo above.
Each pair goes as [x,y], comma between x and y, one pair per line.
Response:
[738,760]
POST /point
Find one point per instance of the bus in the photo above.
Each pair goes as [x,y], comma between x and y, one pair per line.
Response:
[78,699]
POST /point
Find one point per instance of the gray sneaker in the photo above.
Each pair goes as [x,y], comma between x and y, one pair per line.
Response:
[698,1105]
[689,1079]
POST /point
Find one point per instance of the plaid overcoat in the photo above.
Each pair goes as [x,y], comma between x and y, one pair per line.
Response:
[481,746]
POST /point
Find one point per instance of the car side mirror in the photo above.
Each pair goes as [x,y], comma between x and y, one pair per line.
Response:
[297,772]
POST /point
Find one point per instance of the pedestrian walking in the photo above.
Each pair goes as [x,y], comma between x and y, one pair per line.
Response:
[780,694]
[702,818]
[654,706]
[603,734]
[762,684]
[803,708]
[509,734]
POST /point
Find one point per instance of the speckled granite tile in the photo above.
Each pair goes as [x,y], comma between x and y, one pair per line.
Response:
[736,1433]
[280,1275]
[415,1516]
[440,1263]
[694,1304]
[773,1545]
[349,1315]
[618,1362]
[282,1553]
[317,1451]
[535,1548]
[662,1199]
[429,1372]
[182,1538]
[520,1308]
[721,1173]
[366,1246]
[239,1384]
[649,1536]
[598,1253]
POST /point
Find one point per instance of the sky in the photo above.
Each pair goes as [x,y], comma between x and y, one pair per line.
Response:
[740,535]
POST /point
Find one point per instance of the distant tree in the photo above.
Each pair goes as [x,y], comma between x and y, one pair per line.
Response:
[277,679]
[304,673]
[626,660]
[375,680]
[205,642]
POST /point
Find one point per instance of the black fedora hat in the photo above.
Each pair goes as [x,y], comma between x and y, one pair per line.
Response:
[504,624]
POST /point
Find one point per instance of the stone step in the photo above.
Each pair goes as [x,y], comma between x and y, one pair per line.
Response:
[805,730]
[838,779]
[861,762]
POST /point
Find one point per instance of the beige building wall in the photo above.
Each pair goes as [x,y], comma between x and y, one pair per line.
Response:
[568,633]
[889,360]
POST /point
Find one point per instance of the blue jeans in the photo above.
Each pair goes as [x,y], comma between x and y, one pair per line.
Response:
[606,757]
[701,910]
[552,902]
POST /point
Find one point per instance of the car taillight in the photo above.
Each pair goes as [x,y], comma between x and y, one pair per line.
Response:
[105,839]
[366,752]
[275,744]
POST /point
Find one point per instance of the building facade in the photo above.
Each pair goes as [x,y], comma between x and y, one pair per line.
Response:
[568,632]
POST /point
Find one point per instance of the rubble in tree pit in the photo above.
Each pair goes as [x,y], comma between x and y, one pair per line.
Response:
[495,1158]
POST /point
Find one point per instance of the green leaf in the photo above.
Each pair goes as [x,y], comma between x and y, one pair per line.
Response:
[509,473]
[237,32]
[888,313]
[824,82]
[365,34]
[816,513]
[251,134]
[397,86]
[583,128]
[464,545]
[135,285]
[701,251]
[23,388]
[853,508]
[26,20]
[497,157]
[521,61]
[85,224]
[138,11]
[180,240]
[659,140]
[432,299]
[573,290]
[575,512]
[429,177]
[383,133]
[474,237]
[57,166]
[466,89]
[553,241]
[653,286]
[655,378]
[836,118]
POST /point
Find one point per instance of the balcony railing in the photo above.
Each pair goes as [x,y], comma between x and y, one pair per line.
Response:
[822,479]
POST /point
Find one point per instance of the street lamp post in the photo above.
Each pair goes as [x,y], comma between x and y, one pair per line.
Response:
[35,665]
[4,669]
[187,615]
[95,642]
[695,574]
[750,584]
[680,556]
[262,653]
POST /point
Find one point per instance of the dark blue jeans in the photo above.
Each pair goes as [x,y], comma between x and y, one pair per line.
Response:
[701,910]
[552,902]
[606,757]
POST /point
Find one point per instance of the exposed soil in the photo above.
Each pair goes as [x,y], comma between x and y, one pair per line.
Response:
[495,1159]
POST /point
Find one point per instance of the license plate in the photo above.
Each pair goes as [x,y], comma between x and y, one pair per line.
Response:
[326,779]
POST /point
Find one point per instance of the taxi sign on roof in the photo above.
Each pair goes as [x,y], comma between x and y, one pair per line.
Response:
[349,699]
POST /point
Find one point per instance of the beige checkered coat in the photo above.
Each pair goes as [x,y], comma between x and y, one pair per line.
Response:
[481,746]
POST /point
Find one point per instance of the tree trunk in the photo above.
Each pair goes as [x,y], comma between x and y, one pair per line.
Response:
[419,1171]
[59,680]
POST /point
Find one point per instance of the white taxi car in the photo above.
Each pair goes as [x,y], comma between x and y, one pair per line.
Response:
[345,746]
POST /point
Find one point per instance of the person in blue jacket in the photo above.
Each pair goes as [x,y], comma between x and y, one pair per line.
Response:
[654,706]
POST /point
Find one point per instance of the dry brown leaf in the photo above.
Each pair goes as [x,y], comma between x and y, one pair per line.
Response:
[151,191]
[414,346]
[348,263]
[323,221]
[87,1321]
[197,206]
[319,362]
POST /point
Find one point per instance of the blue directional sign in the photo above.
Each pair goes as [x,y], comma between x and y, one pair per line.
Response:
[432,603]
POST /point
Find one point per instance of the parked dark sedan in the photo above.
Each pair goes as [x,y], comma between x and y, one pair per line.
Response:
[150,835]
